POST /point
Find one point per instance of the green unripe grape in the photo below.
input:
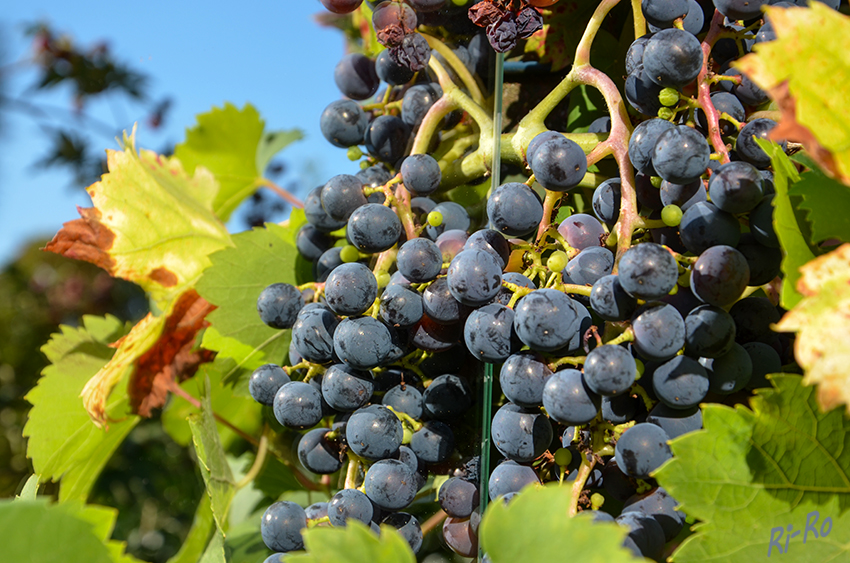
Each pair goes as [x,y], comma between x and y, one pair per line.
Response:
[349,253]
[596,501]
[557,261]
[666,113]
[563,457]
[383,278]
[435,218]
[668,97]
[671,215]
[656,181]
[354,153]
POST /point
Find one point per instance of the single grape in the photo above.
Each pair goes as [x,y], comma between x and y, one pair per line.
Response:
[736,187]
[589,265]
[343,123]
[447,397]
[281,526]
[609,370]
[400,306]
[365,343]
[390,71]
[672,57]
[265,383]
[417,101]
[546,320]
[350,289]
[730,372]
[458,497]
[521,434]
[671,215]
[641,450]
[514,209]
[634,56]
[433,443]
[489,333]
[355,76]
[606,201]
[746,146]
[390,484]
[661,13]
[720,276]
[341,6]
[559,164]
[568,399]
[765,361]
[683,195]
[374,432]
[421,174]
[659,331]
[298,405]
[373,228]
[522,378]
[278,305]
[610,301]
[386,138]
[345,388]
[703,225]
[341,195]
[681,154]
[661,507]
[645,535]
[582,231]
[648,271]
[408,526]
[404,398]
[474,277]
[490,241]
[510,477]
[350,504]
[440,305]
[642,93]
[680,383]
[709,332]
[458,534]
[318,454]
[312,334]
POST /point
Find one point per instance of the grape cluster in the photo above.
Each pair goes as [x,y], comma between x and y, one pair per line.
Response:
[603,350]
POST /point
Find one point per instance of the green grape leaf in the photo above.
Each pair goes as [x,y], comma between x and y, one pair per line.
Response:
[807,71]
[215,550]
[199,534]
[786,223]
[563,26]
[244,412]
[260,257]
[355,543]
[585,105]
[63,442]
[825,202]
[151,224]
[30,488]
[536,526]
[231,143]
[753,473]
[70,532]
[212,460]
[823,314]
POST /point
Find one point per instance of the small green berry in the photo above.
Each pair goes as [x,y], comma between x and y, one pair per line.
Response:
[349,253]
[563,457]
[557,261]
[668,97]
[671,215]
[435,218]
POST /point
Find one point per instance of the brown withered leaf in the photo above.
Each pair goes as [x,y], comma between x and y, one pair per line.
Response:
[173,358]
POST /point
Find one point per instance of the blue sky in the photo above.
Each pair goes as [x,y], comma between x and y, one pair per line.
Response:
[202,54]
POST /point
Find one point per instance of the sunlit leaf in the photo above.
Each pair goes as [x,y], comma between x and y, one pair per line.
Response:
[807,71]
[232,143]
[752,473]
[63,442]
[823,314]
[354,543]
[536,526]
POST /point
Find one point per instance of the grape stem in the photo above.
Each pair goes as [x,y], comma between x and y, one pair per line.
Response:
[352,470]
[704,88]
[265,182]
[567,361]
[259,461]
[639,19]
[460,69]
[581,479]
[431,523]
[627,336]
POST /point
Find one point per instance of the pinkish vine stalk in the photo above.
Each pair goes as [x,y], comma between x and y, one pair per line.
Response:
[704,88]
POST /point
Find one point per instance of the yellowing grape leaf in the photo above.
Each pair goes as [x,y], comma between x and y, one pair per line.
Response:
[755,477]
[536,526]
[234,146]
[62,441]
[807,71]
[820,321]
[152,224]
[354,543]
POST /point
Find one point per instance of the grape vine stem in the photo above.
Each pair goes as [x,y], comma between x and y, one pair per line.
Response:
[431,523]
[294,201]
[704,88]
[581,479]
